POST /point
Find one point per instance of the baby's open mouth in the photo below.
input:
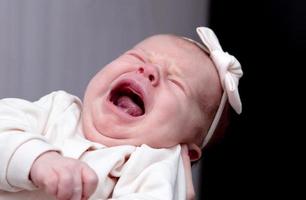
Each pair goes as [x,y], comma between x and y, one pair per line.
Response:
[128,99]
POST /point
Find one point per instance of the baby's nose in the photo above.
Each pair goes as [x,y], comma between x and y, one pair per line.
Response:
[150,72]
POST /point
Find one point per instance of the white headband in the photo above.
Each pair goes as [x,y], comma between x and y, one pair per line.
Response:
[229,70]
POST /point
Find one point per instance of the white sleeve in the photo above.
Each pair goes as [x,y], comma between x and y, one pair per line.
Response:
[152,174]
[21,141]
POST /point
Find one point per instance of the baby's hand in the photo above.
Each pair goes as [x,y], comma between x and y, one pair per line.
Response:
[62,177]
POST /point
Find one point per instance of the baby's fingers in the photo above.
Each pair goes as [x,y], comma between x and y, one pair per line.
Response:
[65,185]
[45,179]
[77,188]
[90,181]
[50,183]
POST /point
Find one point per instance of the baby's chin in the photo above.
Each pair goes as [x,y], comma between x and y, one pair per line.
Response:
[136,136]
[112,141]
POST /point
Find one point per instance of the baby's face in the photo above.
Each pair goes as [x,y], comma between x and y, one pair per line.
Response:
[150,95]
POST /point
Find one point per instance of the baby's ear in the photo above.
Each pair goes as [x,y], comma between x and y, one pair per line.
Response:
[194,152]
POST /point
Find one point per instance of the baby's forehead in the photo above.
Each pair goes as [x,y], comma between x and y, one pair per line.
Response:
[175,50]
[168,44]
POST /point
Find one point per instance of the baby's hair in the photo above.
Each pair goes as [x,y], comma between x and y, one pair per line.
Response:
[208,107]
[219,133]
[229,72]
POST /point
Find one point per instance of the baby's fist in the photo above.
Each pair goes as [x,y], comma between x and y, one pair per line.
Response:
[62,177]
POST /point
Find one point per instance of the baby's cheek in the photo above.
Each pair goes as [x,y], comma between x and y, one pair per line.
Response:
[169,108]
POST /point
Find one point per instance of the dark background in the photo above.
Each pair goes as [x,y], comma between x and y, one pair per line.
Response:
[252,161]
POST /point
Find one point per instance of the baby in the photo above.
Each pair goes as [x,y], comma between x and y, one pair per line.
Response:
[144,117]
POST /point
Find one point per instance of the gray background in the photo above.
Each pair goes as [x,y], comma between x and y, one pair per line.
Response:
[47,45]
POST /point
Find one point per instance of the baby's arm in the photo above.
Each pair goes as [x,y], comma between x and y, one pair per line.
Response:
[62,177]
[20,143]
[23,143]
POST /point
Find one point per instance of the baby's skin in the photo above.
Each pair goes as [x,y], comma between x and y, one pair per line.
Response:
[162,92]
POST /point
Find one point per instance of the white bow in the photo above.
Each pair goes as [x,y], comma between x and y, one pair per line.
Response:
[228,66]
[229,70]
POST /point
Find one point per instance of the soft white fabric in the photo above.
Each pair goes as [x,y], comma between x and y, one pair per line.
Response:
[52,123]
[229,70]
[228,67]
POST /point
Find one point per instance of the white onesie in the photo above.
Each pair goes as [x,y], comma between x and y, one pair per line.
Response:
[28,129]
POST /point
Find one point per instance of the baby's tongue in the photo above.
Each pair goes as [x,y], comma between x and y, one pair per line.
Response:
[129,106]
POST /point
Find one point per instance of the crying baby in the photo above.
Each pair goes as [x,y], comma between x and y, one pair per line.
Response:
[144,117]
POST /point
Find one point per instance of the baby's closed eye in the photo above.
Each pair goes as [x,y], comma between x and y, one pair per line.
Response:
[136,55]
[177,83]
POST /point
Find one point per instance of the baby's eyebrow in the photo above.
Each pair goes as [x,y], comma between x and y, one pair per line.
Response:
[139,53]
[172,69]
[136,54]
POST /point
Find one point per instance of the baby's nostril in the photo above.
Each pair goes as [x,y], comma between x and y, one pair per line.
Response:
[151,77]
[140,70]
